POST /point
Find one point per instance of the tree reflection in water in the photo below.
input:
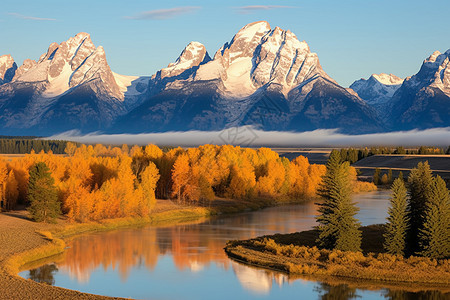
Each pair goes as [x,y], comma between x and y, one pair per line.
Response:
[423,295]
[335,292]
[328,291]
[44,274]
[198,248]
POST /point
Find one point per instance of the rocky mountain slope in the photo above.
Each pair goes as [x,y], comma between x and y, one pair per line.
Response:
[263,77]
[70,87]
[423,100]
[420,101]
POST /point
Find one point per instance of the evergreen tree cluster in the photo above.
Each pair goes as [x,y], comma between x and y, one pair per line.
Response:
[383,179]
[419,215]
[25,145]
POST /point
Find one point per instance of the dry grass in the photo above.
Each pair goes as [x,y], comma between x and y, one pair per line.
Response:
[296,254]
[55,246]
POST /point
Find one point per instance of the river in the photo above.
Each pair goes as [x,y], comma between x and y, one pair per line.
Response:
[188,261]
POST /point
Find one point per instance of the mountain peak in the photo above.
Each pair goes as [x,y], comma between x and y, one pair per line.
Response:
[7,68]
[69,64]
[193,55]
[436,58]
[258,55]
[27,65]
[387,79]
[252,29]
[378,89]
[435,71]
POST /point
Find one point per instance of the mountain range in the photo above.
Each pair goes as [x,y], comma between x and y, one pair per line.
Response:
[263,77]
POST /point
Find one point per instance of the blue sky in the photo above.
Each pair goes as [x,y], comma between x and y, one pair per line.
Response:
[353,38]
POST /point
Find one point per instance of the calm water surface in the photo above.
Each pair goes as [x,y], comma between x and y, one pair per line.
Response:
[188,261]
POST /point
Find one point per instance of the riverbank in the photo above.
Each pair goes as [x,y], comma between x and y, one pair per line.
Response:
[19,236]
[295,254]
[23,241]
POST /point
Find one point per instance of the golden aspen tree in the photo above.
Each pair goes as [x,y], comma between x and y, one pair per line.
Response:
[153,152]
[70,148]
[125,149]
[270,184]
[180,176]
[11,190]
[242,181]
[149,178]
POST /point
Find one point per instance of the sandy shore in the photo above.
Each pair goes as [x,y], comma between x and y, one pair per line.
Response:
[17,234]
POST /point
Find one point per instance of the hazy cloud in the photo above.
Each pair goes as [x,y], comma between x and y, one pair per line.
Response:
[247,136]
[253,8]
[162,14]
[20,16]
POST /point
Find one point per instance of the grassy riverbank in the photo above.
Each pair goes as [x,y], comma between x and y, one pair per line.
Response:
[296,254]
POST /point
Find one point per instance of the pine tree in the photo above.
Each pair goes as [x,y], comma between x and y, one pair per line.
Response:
[397,226]
[389,176]
[338,228]
[42,194]
[434,237]
[420,184]
[384,179]
[376,176]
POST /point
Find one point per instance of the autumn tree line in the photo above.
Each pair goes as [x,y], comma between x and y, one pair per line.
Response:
[95,182]
[419,213]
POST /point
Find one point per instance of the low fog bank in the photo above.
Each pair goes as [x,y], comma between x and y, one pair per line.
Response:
[248,137]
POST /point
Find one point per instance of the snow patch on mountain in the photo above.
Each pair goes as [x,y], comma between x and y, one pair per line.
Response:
[60,84]
[378,89]
[256,56]
[388,79]
[131,85]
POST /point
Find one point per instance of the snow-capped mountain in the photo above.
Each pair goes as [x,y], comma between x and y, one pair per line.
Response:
[70,87]
[7,68]
[423,100]
[263,77]
[378,89]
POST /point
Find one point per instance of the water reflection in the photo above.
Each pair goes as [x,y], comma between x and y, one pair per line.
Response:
[257,280]
[44,274]
[149,262]
[336,292]
[191,247]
